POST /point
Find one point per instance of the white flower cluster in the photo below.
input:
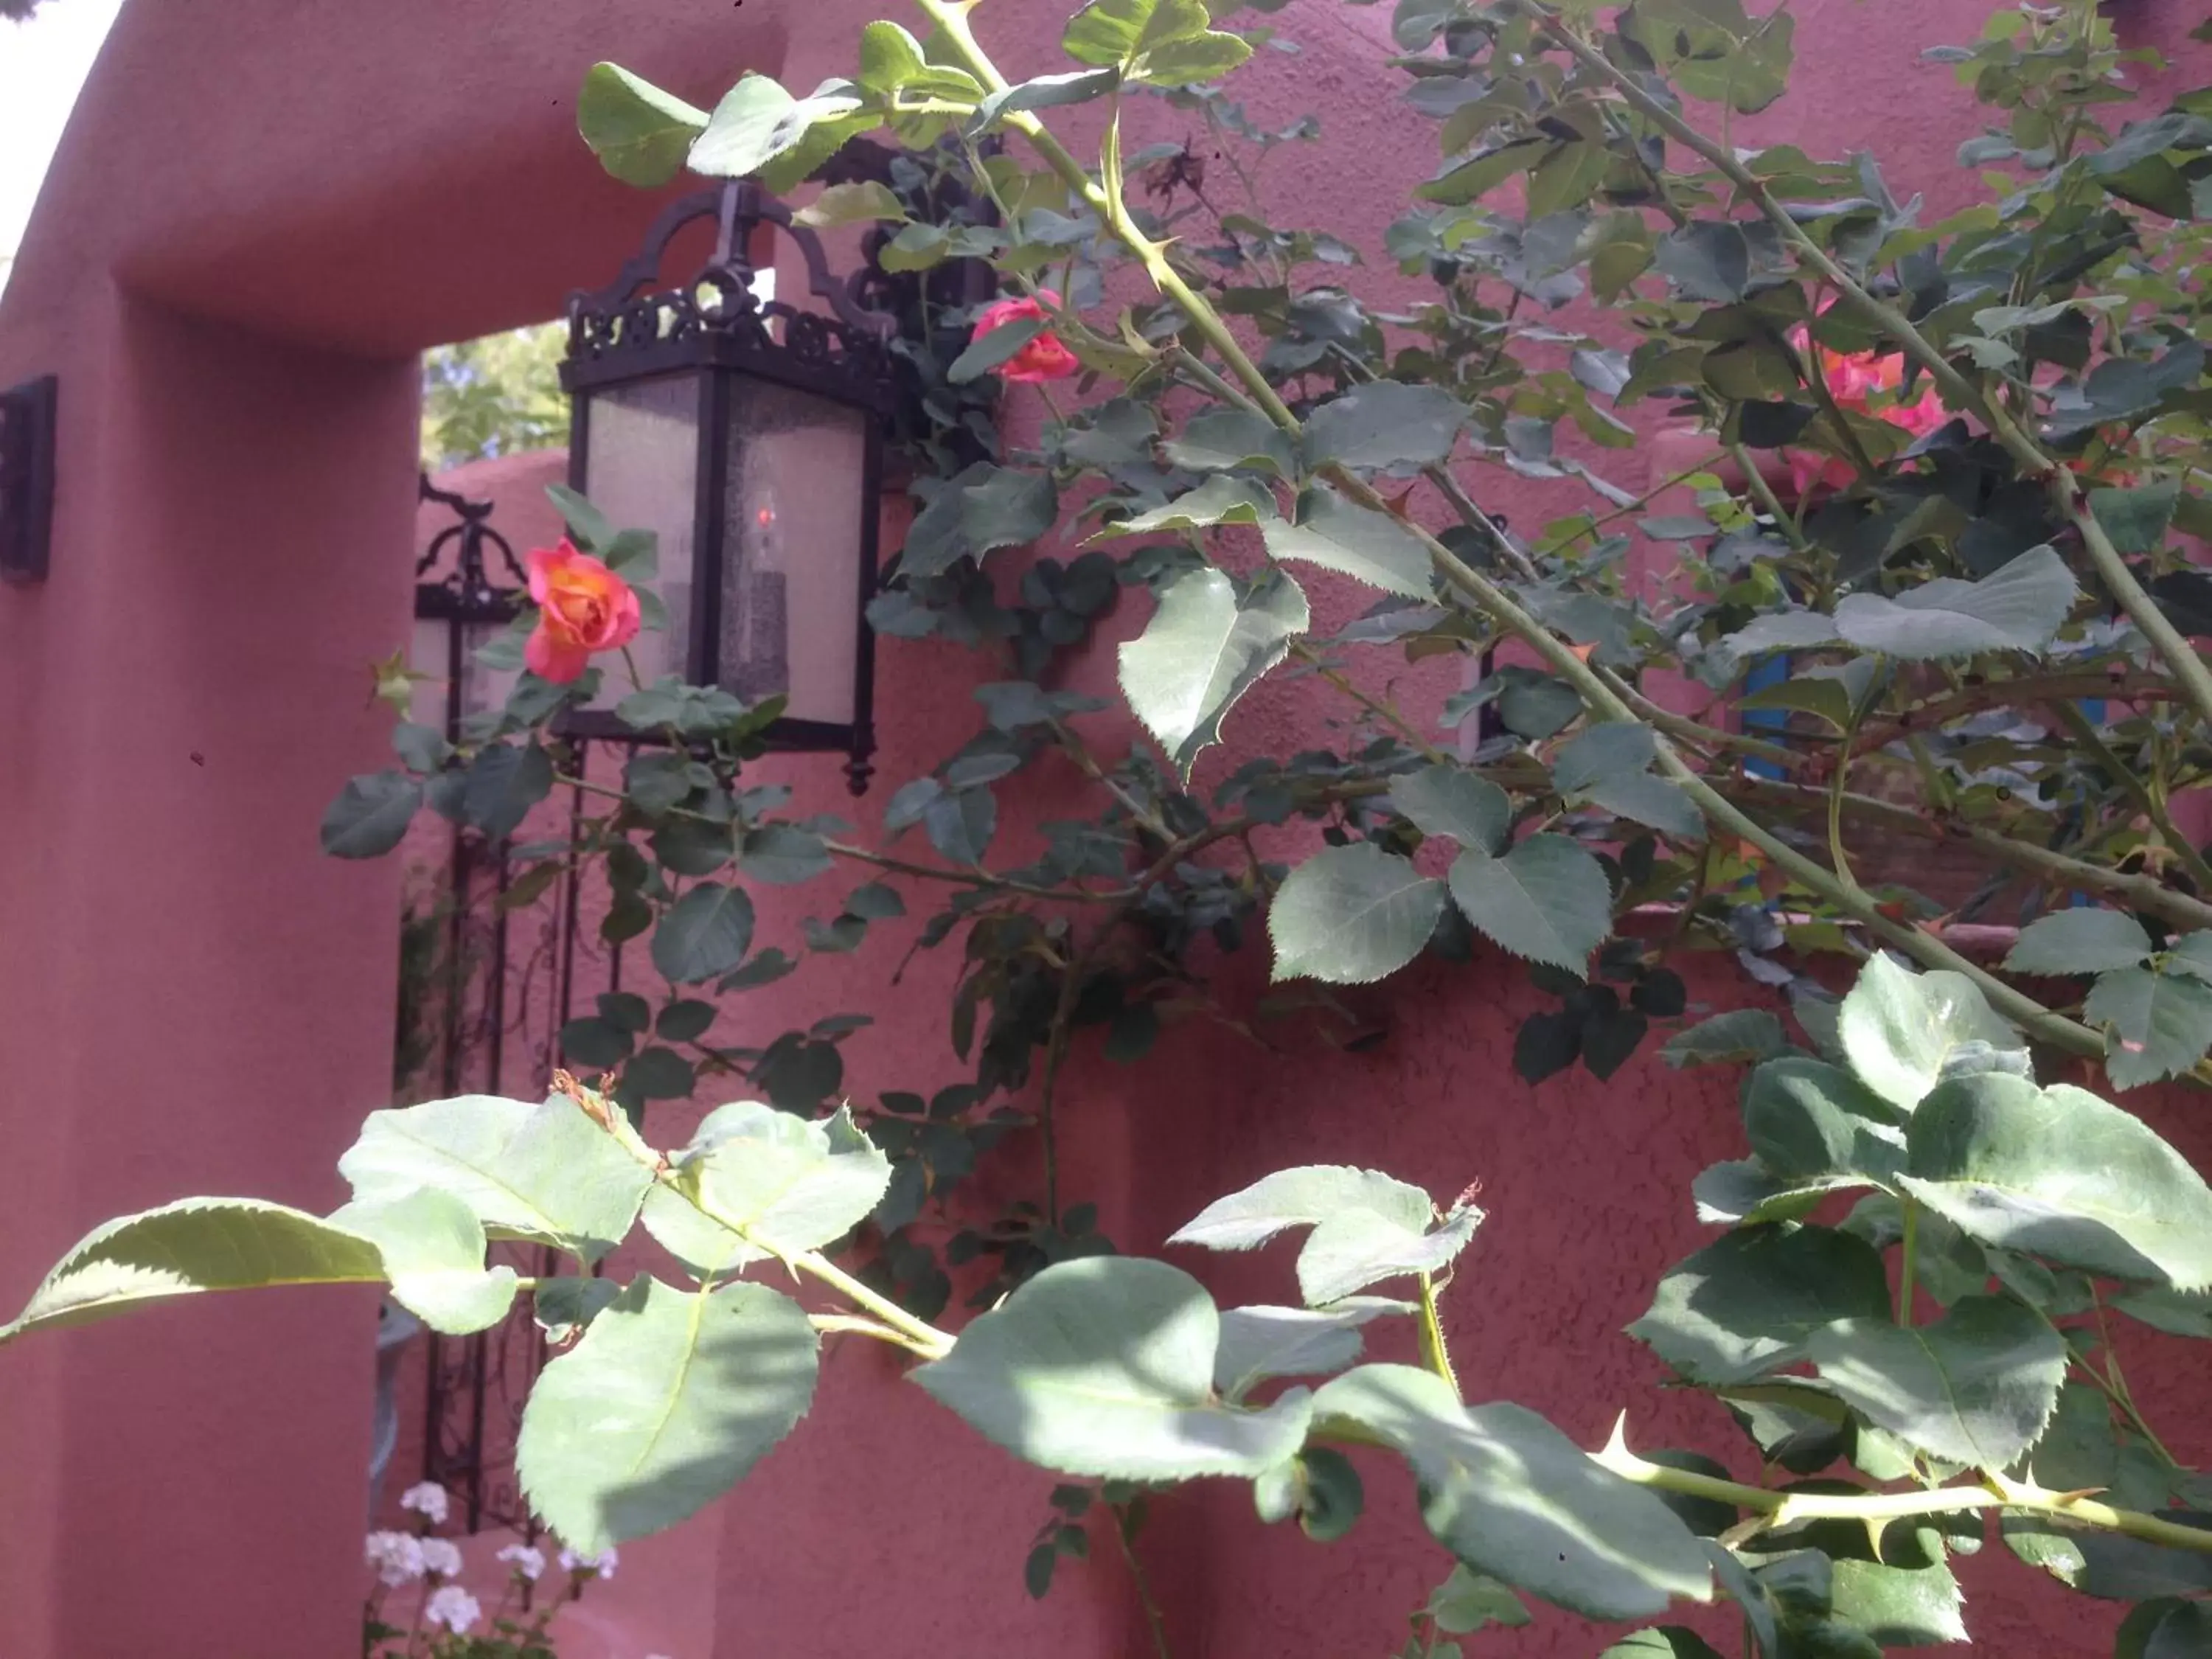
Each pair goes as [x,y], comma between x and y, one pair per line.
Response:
[427,1499]
[527,1562]
[441,1557]
[601,1565]
[453,1608]
[396,1557]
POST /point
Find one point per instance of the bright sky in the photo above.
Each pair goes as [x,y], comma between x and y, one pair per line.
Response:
[43,63]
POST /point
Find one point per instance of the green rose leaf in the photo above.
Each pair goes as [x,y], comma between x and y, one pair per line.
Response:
[1383,423]
[434,1254]
[2018,608]
[865,202]
[1260,1343]
[668,1400]
[705,932]
[789,1184]
[2137,519]
[503,782]
[1221,440]
[546,1173]
[1104,1366]
[1350,916]
[1808,1120]
[1511,1497]
[2058,1173]
[1900,1030]
[1746,1303]
[1974,1388]
[783,855]
[1900,1606]
[1450,801]
[758,121]
[640,133]
[2084,940]
[2156,1025]
[981,509]
[1729,1039]
[371,815]
[1339,535]
[1220,500]
[1547,900]
[1206,646]
[1366,1227]
[182,1249]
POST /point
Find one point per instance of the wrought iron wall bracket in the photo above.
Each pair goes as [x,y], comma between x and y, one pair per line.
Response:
[27,478]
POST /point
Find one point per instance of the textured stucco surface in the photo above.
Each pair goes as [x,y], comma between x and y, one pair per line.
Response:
[261,211]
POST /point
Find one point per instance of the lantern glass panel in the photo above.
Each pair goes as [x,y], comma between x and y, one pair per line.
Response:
[641,471]
[794,534]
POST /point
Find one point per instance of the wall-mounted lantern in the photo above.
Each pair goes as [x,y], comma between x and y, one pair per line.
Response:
[748,434]
[27,478]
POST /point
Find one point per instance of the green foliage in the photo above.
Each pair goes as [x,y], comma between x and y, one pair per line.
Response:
[501,395]
[1950,475]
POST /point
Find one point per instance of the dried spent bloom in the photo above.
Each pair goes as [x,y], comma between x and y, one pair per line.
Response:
[453,1608]
[526,1562]
[601,1565]
[442,1557]
[427,1499]
[396,1557]
[1044,357]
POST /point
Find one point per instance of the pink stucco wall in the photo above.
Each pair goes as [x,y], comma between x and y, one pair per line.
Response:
[231,288]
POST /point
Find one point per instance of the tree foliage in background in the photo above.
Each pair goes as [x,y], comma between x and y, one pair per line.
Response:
[499,395]
[1951,489]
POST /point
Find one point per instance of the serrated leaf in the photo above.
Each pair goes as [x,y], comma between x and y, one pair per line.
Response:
[1383,423]
[1260,1343]
[1511,1497]
[786,1184]
[1610,749]
[668,1400]
[1547,900]
[2060,1173]
[1899,1029]
[1104,1366]
[1354,1248]
[371,815]
[1745,1191]
[2083,940]
[1642,798]
[1450,801]
[1221,439]
[862,201]
[704,933]
[2156,1025]
[1900,1606]
[433,1255]
[1044,92]
[2135,520]
[1222,498]
[1204,647]
[546,1173]
[2017,609]
[1302,1198]
[783,855]
[1808,1119]
[1740,1035]
[1746,1303]
[985,507]
[1974,1388]
[640,133]
[1666,1642]
[1350,916]
[1339,534]
[199,1245]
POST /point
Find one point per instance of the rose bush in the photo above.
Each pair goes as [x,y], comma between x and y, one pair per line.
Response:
[1985,624]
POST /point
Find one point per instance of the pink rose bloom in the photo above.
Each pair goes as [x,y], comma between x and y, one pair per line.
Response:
[1043,358]
[583,608]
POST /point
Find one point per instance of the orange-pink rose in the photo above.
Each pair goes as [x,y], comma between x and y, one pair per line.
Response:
[1043,358]
[1866,384]
[583,608]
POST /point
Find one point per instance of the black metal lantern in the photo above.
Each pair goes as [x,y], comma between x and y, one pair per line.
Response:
[748,434]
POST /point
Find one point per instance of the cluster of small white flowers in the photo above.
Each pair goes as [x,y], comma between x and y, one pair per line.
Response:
[453,1608]
[528,1562]
[427,1499]
[602,1564]
[397,1557]
[442,1557]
